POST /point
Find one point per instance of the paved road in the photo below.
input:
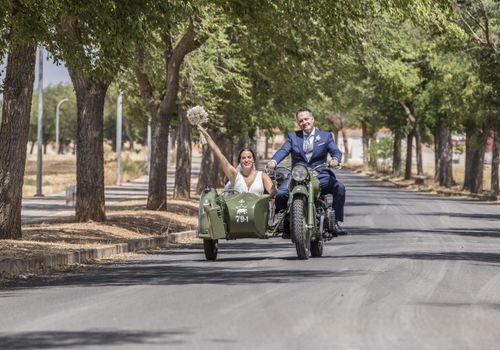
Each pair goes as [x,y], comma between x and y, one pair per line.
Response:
[418,272]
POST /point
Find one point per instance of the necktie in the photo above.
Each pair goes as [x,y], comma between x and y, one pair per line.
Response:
[308,147]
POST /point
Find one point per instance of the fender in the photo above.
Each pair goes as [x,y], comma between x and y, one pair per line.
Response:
[299,189]
[311,209]
[210,216]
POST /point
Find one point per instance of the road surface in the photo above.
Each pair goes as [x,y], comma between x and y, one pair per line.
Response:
[416,272]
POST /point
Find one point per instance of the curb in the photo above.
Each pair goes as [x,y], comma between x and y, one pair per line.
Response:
[43,263]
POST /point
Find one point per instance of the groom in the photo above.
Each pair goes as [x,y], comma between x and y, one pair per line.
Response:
[311,147]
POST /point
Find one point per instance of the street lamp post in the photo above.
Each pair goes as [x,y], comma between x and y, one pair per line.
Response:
[119,138]
[149,146]
[39,126]
[57,123]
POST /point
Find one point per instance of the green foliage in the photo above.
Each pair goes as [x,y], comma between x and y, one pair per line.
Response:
[94,36]
[216,77]
[263,59]
[380,152]
[52,95]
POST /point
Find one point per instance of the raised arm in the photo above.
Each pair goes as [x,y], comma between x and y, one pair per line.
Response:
[229,170]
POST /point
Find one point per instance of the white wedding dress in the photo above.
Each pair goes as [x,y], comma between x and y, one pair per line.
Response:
[256,187]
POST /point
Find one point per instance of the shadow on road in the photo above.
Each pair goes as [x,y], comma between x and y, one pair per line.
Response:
[181,271]
[471,232]
[67,340]
[492,258]
[489,217]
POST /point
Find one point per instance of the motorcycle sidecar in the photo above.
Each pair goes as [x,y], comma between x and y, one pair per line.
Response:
[239,215]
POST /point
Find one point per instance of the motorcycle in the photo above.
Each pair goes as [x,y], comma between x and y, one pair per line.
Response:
[308,221]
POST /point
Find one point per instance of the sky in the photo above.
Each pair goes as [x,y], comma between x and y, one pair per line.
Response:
[52,74]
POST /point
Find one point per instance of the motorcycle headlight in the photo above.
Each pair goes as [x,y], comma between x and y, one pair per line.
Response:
[299,173]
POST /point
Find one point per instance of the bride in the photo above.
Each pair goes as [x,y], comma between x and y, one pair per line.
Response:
[246,178]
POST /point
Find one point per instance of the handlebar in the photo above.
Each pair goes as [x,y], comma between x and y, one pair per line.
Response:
[322,165]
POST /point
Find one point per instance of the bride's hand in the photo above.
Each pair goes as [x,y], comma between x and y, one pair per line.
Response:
[204,132]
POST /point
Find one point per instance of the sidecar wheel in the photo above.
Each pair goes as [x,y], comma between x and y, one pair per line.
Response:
[211,247]
[316,248]
[299,232]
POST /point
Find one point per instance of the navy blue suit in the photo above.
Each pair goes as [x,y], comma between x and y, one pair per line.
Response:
[323,145]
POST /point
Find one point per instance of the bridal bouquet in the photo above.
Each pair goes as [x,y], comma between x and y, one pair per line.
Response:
[197,116]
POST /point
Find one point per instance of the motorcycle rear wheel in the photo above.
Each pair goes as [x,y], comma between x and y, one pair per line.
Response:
[210,246]
[298,228]
[317,248]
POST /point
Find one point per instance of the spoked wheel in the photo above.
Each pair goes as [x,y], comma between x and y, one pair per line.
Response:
[210,246]
[316,248]
[299,232]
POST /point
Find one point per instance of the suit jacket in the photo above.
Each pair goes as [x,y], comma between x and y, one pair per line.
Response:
[323,144]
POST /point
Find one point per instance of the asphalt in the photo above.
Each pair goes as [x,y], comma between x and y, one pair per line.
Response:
[416,272]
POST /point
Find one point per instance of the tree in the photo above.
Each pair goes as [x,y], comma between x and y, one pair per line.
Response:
[480,19]
[216,77]
[22,24]
[178,31]
[90,37]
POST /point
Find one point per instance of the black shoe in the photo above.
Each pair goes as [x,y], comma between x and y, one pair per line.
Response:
[339,230]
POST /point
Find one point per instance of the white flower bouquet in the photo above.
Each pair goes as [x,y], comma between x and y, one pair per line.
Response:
[197,116]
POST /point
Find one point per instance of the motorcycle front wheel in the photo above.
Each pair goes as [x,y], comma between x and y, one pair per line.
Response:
[298,227]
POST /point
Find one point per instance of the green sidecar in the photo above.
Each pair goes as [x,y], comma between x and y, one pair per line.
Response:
[308,220]
[237,215]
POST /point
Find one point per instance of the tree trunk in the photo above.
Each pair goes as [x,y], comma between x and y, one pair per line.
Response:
[217,175]
[336,135]
[90,95]
[366,144]
[266,148]
[32,146]
[128,132]
[165,110]
[16,110]
[157,189]
[418,143]
[346,147]
[495,158]
[183,166]
[437,153]
[409,155]
[443,154]
[475,145]
[396,154]
[418,149]
[208,170]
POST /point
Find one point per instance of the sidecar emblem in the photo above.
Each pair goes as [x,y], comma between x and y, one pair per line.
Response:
[242,212]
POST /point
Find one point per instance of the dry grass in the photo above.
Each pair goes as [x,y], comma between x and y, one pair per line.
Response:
[125,221]
[58,171]
[458,173]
